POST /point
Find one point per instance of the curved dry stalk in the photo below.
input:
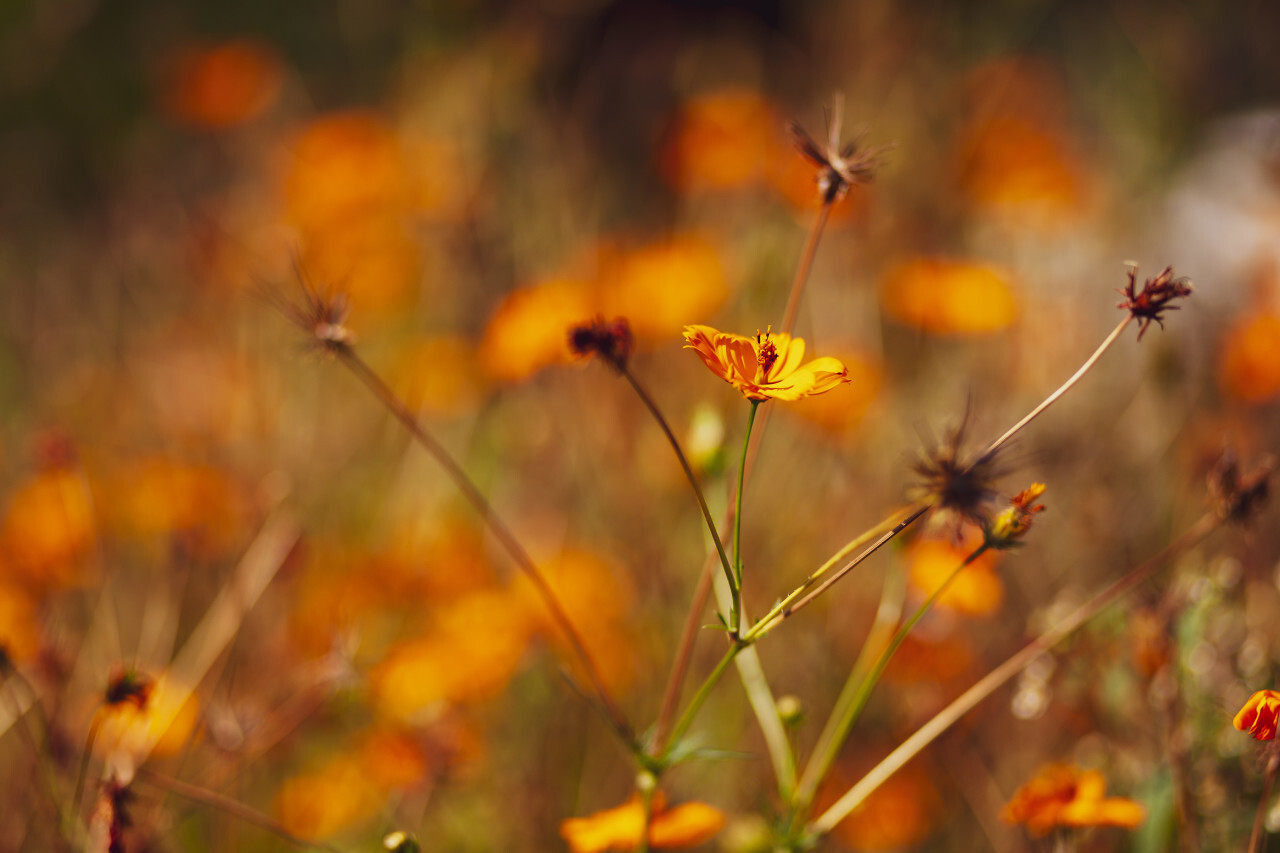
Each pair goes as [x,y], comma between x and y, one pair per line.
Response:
[1052,398]
[927,733]
[346,354]
[232,807]
[803,268]
[1257,838]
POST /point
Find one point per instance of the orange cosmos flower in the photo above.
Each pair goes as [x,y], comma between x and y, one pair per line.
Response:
[222,86]
[1065,795]
[1249,363]
[941,296]
[686,825]
[766,367]
[1258,716]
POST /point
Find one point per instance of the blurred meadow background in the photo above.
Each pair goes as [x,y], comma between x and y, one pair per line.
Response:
[195,497]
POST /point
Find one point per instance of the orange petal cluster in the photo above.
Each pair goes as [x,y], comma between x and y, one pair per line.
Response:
[1259,715]
[1063,795]
[766,367]
[686,825]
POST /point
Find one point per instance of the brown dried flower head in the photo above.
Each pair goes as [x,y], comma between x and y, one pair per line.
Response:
[128,686]
[321,316]
[839,167]
[954,485]
[1237,497]
[1148,305]
[610,340]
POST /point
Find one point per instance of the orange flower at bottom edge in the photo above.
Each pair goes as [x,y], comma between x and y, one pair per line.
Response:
[765,367]
[686,825]
[1259,715]
[1065,795]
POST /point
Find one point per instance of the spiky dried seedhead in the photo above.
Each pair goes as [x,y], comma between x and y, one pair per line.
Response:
[128,686]
[839,166]
[954,485]
[1148,305]
[321,316]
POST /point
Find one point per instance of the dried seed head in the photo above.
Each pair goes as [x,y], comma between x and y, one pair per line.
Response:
[1237,497]
[321,316]
[839,167]
[954,485]
[1148,305]
[128,686]
[611,341]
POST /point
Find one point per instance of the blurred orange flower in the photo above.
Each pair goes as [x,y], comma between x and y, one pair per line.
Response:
[766,367]
[598,599]
[19,625]
[225,85]
[160,498]
[49,527]
[1064,795]
[1014,165]
[440,375]
[469,654]
[661,286]
[528,330]
[1249,362]
[620,828]
[719,140]
[160,723]
[323,802]
[948,297]
[976,591]
[900,814]
[1258,716]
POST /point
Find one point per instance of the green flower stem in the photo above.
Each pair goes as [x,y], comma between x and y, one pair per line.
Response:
[735,587]
[688,471]
[699,698]
[857,690]
[763,626]
[782,612]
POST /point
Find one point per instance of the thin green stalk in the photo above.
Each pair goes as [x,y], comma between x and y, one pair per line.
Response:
[853,699]
[737,515]
[695,704]
[948,716]
[647,784]
[887,617]
[762,627]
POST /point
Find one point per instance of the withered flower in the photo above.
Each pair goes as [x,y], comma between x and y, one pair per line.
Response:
[1147,305]
[128,686]
[1235,496]
[322,316]
[839,167]
[953,484]
[611,340]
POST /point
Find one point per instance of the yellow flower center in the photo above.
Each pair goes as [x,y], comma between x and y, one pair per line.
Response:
[766,352]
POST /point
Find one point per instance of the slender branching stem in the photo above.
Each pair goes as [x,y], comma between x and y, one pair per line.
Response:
[736,616]
[695,704]
[1064,388]
[232,807]
[688,470]
[947,717]
[804,267]
[853,699]
[848,548]
[765,708]
[1258,838]
[371,380]
[764,627]
[684,654]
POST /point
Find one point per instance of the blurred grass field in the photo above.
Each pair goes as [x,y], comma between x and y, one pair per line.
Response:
[330,636]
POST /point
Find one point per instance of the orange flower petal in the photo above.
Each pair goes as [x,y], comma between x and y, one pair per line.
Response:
[619,828]
[766,367]
[1258,717]
[947,297]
